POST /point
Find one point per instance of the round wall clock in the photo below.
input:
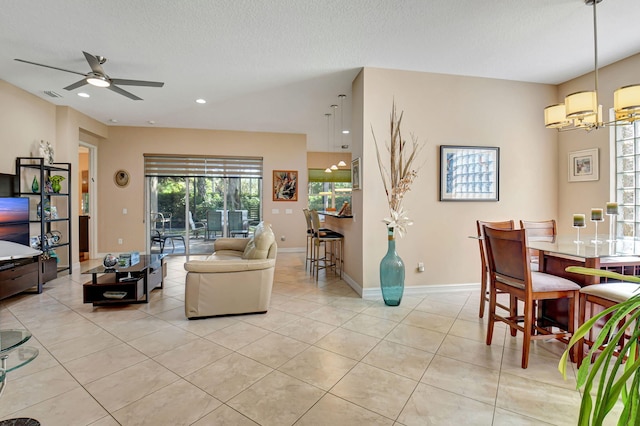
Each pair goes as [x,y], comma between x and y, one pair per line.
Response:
[121,178]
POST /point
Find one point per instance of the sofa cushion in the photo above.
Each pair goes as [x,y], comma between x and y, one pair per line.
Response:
[258,245]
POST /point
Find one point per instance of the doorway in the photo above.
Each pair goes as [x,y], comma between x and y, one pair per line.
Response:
[87,214]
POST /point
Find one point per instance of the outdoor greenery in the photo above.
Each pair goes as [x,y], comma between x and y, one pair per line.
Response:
[207,194]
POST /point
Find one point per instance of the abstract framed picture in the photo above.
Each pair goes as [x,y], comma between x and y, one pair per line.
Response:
[469,173]
[356,182]
[583,165]
[285,185]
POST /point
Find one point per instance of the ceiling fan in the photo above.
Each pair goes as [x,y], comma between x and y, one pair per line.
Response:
[97,77]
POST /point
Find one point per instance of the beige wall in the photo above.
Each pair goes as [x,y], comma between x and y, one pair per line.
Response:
[125,148]
[322,160]
[580,197]
[451,110]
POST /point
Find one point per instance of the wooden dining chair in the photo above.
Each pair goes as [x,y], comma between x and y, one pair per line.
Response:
[543,230]
[484,277]
[604,295]
[510,272]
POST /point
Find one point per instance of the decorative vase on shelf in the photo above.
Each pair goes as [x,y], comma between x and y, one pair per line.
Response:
[35,188]
[55,183]
[392,273]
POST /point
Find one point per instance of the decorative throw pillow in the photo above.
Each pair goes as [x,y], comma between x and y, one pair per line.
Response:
[258,245]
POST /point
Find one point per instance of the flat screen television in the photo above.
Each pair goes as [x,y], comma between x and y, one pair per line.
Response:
[14,219]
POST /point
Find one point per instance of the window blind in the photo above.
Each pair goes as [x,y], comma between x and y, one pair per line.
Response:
[202,166]
[319,175]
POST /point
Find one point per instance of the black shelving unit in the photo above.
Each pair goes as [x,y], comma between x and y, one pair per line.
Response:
[52,227]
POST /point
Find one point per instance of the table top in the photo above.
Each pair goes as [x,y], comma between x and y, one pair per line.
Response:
[10,339]
[11,342]
[146,260]
[587,248]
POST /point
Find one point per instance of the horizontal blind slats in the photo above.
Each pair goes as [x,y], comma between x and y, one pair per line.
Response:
[192,166]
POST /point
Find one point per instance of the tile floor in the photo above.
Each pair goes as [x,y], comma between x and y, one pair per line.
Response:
[320,356]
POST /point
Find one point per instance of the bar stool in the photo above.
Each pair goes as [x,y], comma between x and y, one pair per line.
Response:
[334,257]
[308,259]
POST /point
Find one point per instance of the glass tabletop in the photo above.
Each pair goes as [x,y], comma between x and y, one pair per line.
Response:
[20,356]
[587,247]
[10,339]
[146,260]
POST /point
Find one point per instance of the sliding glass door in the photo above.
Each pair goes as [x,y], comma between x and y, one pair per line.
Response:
[191,202]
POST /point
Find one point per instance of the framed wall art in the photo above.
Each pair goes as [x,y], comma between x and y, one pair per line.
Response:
[355,174]
[469,173]
[583,165]
[285,185]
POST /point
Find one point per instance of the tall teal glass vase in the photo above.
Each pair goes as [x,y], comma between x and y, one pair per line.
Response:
[392,273]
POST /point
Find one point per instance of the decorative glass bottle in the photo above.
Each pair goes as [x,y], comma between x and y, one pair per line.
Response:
[392,273]
[35,187]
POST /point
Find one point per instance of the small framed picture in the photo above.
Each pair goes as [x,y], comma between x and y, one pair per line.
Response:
[356,182]
[583,165]
[285,185]
[469,173]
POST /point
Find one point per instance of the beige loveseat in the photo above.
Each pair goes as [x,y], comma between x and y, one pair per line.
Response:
[236,279]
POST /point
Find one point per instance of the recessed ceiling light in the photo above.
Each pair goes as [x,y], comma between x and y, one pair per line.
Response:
[201,101]
[83,95]
[151,122]
[345,132]
[113,120]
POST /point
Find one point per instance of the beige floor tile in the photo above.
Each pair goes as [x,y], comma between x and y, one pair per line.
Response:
[462,378]
[306,330]
[439,308]
[179,403]
[272,320]
[507,418]
[75,407]
[331,410]
[35,388]
[331,315]
[318,367]
[106,421]
[103,363]
[371,326]
[368,387]
[399,359]
[472,352]
[276,400]
[542,368]
[237,335]
[299,306]
[126,386]
[162,341]
[348,343]
[131,330]
[225,416]
[416,337]
[81,346]
[531,398]
[273,349]
[352,304]
[433,406]
[192,356]
[162,304]
[228,376]
[391,313]
[476,329]
[429,321]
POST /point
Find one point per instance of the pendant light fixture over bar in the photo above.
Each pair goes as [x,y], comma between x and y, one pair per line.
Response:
[342,129]
[328,169]
[581,110]
[334,107]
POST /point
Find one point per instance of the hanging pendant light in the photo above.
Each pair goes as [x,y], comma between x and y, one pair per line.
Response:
[328,169]
[342,129]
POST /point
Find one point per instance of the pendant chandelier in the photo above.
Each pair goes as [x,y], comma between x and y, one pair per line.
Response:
[581,110]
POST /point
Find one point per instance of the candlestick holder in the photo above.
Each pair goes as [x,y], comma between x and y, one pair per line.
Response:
[612,228]
[596,240]
[578,240]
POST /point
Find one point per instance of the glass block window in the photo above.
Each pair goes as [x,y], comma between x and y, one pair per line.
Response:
[627,169]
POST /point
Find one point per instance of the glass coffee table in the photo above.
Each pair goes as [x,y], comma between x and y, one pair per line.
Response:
[122,285]
[14,355]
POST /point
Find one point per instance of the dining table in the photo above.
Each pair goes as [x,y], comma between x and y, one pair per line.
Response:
[555,255]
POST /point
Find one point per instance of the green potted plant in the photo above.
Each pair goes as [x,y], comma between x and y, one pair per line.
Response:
[617,378]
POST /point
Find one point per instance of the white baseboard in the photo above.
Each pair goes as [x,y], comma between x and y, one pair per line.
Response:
[422,290]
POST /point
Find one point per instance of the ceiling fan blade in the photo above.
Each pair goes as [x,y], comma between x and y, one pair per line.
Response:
[49,66]
[126,82]
[124,92]
[94,63]
[77,84]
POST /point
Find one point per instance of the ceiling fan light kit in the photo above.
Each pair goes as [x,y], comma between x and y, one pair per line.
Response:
[582,110]
[97,77]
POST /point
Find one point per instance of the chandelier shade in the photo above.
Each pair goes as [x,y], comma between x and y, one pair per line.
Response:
[626,103]
[580,105]
[555,116]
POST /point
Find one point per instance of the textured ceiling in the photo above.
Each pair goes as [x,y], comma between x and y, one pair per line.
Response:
[277,65]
